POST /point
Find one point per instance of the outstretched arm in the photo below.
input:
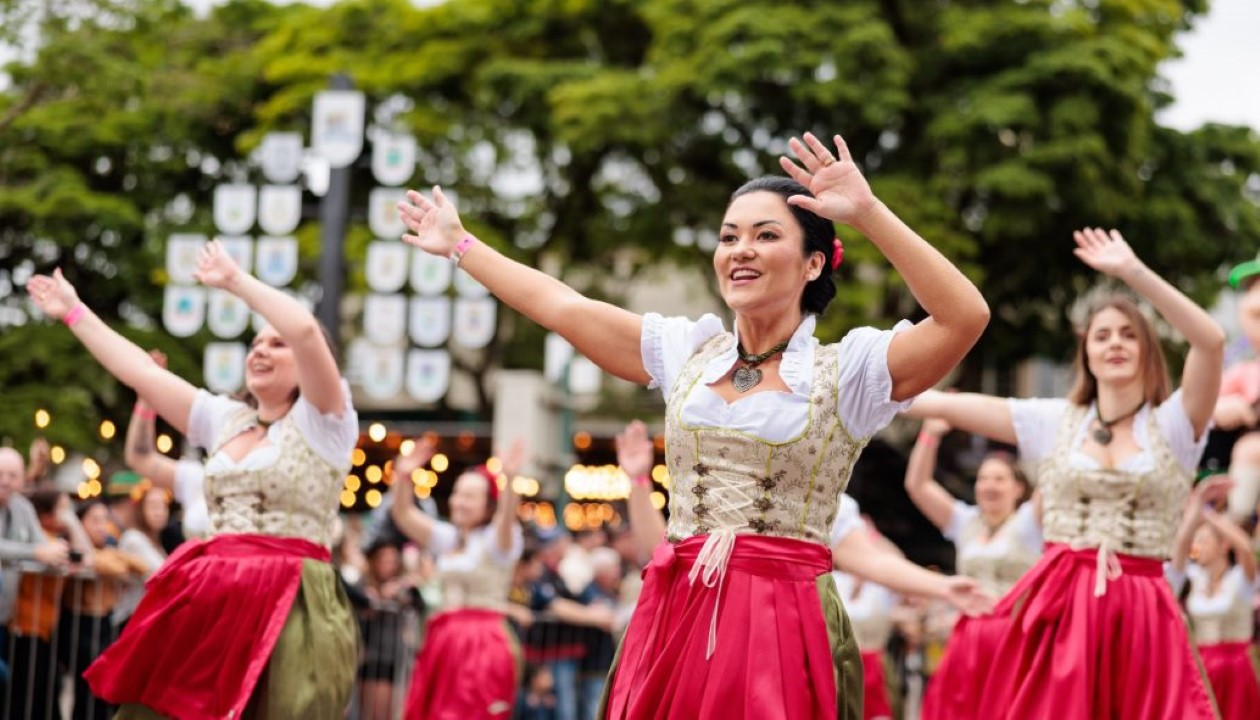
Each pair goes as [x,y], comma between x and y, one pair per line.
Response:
[168,393]
[1107,252]
[858,556]
[505,521]
[933,501]
[140,451]
[635,456]
[1210,490]
[982,415]
[606,334]
[411,520]
[920,357]
[1237,540]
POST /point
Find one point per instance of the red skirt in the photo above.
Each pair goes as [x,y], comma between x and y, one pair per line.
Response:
[876,705]
[466,669]
[204,630]
[1069,654]
[772,658]
[1233,679]
[963,671]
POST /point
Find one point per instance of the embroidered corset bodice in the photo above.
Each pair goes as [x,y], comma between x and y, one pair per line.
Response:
[999,561]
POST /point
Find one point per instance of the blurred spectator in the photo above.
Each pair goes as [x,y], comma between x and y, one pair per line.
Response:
[143,542]
[122,510]
[604,591]
[382,627]
[538,702]
[575,567]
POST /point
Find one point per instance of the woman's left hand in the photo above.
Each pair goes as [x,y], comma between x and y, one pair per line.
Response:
[1106,252]
[840,191]
[215,267]
[964,594]
[54,296]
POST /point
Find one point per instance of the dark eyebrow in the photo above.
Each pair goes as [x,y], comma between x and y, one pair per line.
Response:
[757,224]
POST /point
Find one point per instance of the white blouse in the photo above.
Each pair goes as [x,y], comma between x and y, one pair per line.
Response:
[1037,420]
[444,539]
[190,491]
[864,405]
[848,519]
[1024,527]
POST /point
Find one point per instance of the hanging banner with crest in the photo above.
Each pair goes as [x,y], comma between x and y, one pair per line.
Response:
[429,322]
[280,156]
[382,367]
[473,323]
[383,215]
[181,257]
[430,274]
[393,158]
[385,318]
[279,208]
[337,126]
[385,268]
[235,205]
[466,286]
[428,374]
[276,260]
[227,316]
[224,366]
[241,250]
[183,309]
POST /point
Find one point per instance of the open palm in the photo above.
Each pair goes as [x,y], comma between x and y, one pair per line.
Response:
[53,294]
[840,191]
[215,267]
[635,452]
[1106,252]
[434,224]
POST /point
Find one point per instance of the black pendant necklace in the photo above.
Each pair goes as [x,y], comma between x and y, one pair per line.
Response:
[748,376]
[1102,434]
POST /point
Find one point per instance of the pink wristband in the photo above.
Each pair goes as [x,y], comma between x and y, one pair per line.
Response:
[462,248]
[643,480]
[928,439]
[144,411]
[75,314]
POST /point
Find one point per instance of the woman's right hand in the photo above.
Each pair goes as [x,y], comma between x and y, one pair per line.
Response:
[54,296]
[434,224]
[407,463]
[635,451]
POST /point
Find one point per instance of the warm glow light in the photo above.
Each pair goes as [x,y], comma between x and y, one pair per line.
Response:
[164,443]
[596,482]
[352,483]
[440,462]
[373,498]
[418,476]
[494,465]
[659,442]
[406,447]
[83,491]
[430,479]
[347,499]
[582,440]
[658,500]
[57,454]
[660,474]
[466,439]
[376,431]
[90,468]
[94,487]
[422,492]
[108,430]
[573,516]
[358,457]
[42,418]
[373,474]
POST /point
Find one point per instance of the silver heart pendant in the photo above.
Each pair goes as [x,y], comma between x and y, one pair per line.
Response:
[746,379]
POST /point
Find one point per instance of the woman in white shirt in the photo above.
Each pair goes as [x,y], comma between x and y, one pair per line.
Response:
[1222,589]
[153,510]
[1094,630]
[254,619]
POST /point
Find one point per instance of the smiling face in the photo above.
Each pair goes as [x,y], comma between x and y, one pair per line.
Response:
[1207,547]
[1113,348]
[270,367]
[1119,349]
[470,499]
[760,263]
[998,489]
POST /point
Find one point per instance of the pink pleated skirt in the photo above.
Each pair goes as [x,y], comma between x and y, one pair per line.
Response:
[783,647]
[466,668]
[875,705]
[962,673]
[1233,679]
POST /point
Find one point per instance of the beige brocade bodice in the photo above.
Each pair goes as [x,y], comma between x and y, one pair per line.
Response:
[728,482]
[997,561]
[471,578]
[1134,513]
[1223,617]
[296,496]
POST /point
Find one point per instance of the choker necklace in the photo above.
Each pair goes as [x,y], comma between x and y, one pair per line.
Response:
[1102,434]
[748,376]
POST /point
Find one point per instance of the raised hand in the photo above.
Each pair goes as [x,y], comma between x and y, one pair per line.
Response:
[215,267]
[434,224]
[421,453]
[936,427]
[840,191]
[964,594]
[53,295]
[1106,252]
[635,451]
[514,459]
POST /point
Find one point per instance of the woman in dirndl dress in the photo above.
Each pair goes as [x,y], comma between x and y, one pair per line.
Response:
[738,616]
[1094,630]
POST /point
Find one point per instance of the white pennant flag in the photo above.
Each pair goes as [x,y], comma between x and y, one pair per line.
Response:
[276,260]
[428,374]
[385,318]
[183,310]
[474,322]
[383,215]
[227,316]
[337,126]
[429,323]
[279,209]
[241,250]
[393,158]
[234,208]
[386,265]
[465,286]
[430,274]
[224,366]
[280,155]
[382,376]
[181,257]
